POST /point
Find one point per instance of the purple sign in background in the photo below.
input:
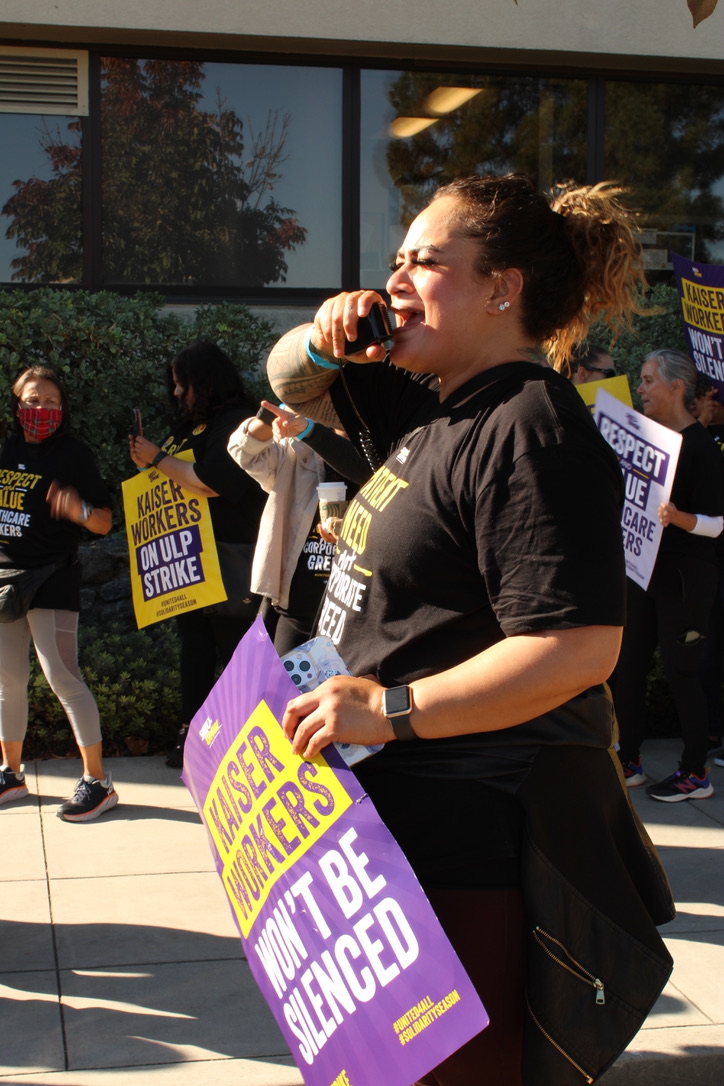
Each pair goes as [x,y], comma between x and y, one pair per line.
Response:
[701,290]
[336,929]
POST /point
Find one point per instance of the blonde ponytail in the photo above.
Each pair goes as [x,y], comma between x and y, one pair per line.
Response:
[603,235]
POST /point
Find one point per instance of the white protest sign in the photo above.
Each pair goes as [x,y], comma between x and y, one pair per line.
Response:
[648,454]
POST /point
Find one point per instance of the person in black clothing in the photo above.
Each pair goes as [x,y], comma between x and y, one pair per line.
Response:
[463,604]
[50,488]
[675,610]
[591,362]
[710,413]
[211,404]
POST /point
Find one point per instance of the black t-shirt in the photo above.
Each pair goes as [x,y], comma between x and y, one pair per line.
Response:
[488,519]
[236,512]
[698,488]
[310,576]
[29,536]
[496,513]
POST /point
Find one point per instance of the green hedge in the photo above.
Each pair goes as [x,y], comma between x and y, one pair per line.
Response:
[112,353]
[661,327]
[134,679]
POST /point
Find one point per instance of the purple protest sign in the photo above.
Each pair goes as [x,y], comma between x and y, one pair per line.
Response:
[338,933]
[701,289]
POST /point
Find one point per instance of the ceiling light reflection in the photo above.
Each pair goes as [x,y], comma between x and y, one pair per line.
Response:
[445,99]
[404,127]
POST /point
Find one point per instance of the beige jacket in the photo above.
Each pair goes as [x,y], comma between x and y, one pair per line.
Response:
[289,471]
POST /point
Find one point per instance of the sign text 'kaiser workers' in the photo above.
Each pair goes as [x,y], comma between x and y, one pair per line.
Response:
[337,931]
[648,453]
[173,561]
[701,290]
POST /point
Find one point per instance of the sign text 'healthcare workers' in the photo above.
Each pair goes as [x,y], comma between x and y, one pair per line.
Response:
[173,561]
[647,453]
[336,929]
[701,290]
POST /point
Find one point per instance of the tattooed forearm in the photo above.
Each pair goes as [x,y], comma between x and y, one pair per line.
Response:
[296,379]
[322,410]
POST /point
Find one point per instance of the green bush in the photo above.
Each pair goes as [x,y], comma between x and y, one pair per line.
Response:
[134,677]
[112,352]
[661,327]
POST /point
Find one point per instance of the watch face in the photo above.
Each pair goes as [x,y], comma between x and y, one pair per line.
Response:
[396,701]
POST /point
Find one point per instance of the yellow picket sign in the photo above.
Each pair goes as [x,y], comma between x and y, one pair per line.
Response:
[617,386]
[173,559]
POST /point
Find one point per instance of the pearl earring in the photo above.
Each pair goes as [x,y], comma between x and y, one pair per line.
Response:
[504,305]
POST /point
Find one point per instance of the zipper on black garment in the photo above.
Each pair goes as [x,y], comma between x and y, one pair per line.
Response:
[557,1046]
[580,971]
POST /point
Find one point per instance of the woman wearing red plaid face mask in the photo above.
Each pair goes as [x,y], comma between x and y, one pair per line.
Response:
[49,488]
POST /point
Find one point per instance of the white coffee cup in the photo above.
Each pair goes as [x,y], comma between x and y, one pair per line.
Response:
[332,500]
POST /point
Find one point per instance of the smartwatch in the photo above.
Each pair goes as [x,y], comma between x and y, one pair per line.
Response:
[397,706]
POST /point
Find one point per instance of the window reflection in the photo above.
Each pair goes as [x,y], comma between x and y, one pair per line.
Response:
[40,199]
[229,176]
[665,142]
[423,129]
[220,174]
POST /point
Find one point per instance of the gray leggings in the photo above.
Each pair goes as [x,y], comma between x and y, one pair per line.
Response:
[55,636]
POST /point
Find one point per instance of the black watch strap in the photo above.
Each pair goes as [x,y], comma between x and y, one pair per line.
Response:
[402,727]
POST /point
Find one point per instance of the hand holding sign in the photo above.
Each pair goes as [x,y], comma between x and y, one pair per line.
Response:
[337,931]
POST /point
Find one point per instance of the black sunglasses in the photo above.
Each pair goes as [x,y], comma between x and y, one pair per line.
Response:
[597,369]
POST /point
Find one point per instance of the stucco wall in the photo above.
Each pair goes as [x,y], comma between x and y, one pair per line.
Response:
[646,28]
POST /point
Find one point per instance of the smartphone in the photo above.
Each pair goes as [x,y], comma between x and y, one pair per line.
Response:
[374,328]
[136,427]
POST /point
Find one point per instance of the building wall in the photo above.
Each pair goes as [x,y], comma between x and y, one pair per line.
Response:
[612,32]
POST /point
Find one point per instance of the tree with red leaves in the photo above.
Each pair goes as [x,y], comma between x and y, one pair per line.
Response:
[185,200]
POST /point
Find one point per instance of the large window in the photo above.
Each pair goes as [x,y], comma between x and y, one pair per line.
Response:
[665,143]
[422,129]
[267,182]
[220,174]
[40,199]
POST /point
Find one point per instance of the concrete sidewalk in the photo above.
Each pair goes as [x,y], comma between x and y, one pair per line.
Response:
[119,957]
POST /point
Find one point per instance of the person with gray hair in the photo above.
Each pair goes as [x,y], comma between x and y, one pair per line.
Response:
[674,610]
[674,365]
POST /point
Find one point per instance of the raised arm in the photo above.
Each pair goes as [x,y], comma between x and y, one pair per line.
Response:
[304,364]
[299,380]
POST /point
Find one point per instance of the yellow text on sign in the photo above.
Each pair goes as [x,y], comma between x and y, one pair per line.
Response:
[265,809]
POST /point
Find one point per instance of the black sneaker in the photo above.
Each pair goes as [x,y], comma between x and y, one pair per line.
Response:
[91,799]
[12,785]
[682,785]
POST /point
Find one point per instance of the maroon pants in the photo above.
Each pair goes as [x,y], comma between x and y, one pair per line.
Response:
[488,931]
